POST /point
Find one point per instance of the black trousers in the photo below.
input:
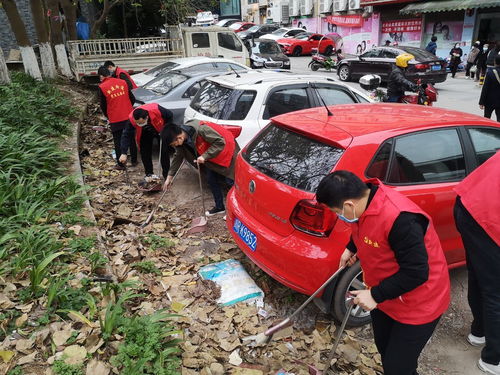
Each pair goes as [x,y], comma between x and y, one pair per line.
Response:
[400,344]
[117,136]
[467,70]
[483,265]
[488,111]
[216,182]
[146,142]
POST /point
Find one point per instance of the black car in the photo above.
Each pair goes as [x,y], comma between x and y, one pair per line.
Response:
[257,31]
[380,60]
[266,53]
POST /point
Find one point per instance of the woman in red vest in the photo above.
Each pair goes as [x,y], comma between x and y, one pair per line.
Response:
[477,217]
[118,72]
[209,144]
[404,268]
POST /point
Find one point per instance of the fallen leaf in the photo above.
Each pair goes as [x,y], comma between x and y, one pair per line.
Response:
[24,344]
[235,359]
[27,359]
[76,229]
[177,306]
[7,355]
[95,367]
[74,354]
[21,320]
[60,337]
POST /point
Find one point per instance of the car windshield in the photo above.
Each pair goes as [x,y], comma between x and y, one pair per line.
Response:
[165,83]
[253,29]
[204,15]
[302,36]
[420,54]
[280,32]
[162,68]
[299,161]
[266,48]
[223,103]
[235,26]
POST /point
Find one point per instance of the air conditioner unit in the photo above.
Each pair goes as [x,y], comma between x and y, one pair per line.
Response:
[294,8]
[325,6]
[339,5]
[306,7]
[285,14]
[354,4]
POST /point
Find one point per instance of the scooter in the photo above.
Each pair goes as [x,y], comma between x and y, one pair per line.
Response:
[426,95]
[327,62]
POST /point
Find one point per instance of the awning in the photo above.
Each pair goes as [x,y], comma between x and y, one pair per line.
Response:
[448,5]
[383,2]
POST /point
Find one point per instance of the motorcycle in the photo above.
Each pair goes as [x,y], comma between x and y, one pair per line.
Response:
[426,95]
[326,62]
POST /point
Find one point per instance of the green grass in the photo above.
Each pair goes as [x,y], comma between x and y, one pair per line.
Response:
[156,242]
[146,266]
[61,368]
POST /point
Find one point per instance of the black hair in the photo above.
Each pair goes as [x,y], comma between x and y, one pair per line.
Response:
[387,42]
[339,186]
[169,133]
[140,113]
[103,71]
[497,60]
[109,63]
[434,38]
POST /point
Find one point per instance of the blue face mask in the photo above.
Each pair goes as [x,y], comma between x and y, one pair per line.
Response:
[349,221]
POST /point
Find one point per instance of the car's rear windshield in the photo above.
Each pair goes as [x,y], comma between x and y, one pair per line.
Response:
[267,48]
[164,83]
[223,103]
[162,68]
[291,158]
[420,54]
[235,25]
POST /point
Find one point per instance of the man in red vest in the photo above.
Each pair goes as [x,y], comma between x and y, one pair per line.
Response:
[477,217]
[118,72]
[205,143]
[145,124]
[404,268]
[116,102]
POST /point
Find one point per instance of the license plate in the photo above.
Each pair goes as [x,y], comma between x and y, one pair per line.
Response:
[436,67]
[245,234]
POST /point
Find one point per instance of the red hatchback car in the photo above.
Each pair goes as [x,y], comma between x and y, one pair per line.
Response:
[241,26]
[305,44]
[420,151]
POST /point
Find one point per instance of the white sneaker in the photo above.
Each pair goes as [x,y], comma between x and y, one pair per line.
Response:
[487,368]
[475,340]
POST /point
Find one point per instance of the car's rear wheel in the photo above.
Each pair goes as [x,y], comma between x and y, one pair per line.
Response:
[344,73]
[328,50]
[351,279]
[297,51]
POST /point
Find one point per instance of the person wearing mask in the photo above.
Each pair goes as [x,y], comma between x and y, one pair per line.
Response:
[490,93]
[116,101]
[472,59]
[145,124]
[476,214]
[481,63]
[404,268]
[492,54]
[118,72]
[207,144]
[455,59]
[432,46]
[398,83]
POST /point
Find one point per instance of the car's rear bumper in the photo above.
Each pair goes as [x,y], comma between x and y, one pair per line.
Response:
[429,78]
[299,261]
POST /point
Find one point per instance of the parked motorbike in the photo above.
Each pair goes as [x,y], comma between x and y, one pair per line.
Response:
[326,62]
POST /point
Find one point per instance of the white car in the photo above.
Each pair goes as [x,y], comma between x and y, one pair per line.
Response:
[204,19]
[251,98]
[188,65]
[284,32]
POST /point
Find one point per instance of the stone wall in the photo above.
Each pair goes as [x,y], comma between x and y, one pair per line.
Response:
[7,39]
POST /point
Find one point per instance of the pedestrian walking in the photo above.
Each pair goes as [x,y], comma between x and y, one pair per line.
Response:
[490,93]
[481,63]
[472,60]
[145,124]
[492,54]
[404,268]
[118,72]
[432,45]
[210,145]
[455,59]
[116,101]
[476,215]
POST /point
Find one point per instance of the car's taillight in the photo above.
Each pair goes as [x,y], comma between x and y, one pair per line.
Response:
[313,218]
[421,66]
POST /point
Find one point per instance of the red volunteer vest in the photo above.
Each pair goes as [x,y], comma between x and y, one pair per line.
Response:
[119,71]
[117,99]
[226,155]
[154,118]
[475,188]
[426,302]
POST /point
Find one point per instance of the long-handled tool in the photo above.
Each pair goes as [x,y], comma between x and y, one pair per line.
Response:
[199,224]
[127,177]
[263,338]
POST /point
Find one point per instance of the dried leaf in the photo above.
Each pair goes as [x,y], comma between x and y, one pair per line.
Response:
[7,355]
[27,359]
[95,367]
[60,337]
[21,320]
[235,359]
[74,354]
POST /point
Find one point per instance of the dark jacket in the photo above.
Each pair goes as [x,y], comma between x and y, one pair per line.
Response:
[490,94]
[431,47]
[490,60]
[398,83]
[455,60]
[481,59]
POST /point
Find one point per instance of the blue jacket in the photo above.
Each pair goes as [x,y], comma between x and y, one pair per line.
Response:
[431,47]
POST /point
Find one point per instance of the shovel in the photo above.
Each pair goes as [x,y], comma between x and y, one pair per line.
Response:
[199,224]
[263,338]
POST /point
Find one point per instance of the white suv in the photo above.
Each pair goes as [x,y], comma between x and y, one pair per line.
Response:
[250,99]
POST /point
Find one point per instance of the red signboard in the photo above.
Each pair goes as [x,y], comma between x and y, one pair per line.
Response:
[352,20]
[402,26]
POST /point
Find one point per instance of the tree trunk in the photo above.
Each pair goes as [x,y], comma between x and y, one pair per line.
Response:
[28,55]
[46,54]
[107,6]
[4,72]
[56,38]
[69,8]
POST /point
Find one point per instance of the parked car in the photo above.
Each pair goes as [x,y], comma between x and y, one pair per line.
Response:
[187,65]
[227,22]
[379,60]
[241,26]
[284,32]
[251,98]
[204,19]
[306,44]
[266,53]
[257,31]
[422,152]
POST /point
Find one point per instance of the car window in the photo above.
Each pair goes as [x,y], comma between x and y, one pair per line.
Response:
[380,163]
[295,32]
[286,100]
[280,31]
[190,92]
[420,54]
[360,98]
[224,66]
[372,53]
[316,37]
[388,54]
[198,68]
[163,84]
[433,156]
[229,41]
[162,68]
[200,40]
[239,108]
[302,36]
[254,28]
[486,142]
[335,95]
[299,161]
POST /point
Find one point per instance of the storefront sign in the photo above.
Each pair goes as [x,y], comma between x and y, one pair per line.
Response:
[413,25]
[354,20]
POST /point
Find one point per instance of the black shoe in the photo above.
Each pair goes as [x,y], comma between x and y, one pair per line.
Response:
[120,167]
[215,211]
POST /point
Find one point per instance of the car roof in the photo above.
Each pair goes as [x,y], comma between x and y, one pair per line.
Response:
[357,120]
[199,60]
[254,77]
